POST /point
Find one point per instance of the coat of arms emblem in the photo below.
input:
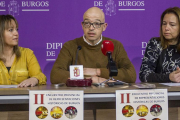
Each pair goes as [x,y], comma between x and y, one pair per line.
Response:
[76,71]
[13,8]
[110,8]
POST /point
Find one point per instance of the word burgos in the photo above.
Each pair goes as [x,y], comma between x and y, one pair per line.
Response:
[35,3]
[131,3]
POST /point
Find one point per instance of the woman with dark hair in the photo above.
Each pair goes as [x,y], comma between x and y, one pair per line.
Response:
[162,56]
[18,65]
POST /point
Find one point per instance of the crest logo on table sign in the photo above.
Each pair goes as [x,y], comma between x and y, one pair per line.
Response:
[110,8]
[13,8]
[76,71]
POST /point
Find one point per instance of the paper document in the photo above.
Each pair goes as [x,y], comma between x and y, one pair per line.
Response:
[145,86]
[8,86]
[171,84]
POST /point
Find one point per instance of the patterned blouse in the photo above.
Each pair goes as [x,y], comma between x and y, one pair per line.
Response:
[171,60]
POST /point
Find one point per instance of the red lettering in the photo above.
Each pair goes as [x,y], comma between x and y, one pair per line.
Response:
[36,99]
[122,98]
[42,98]
[128,97]
[36,95]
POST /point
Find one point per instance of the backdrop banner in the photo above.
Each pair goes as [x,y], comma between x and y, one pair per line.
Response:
[45,25]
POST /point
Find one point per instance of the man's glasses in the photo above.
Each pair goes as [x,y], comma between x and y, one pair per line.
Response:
[95,24]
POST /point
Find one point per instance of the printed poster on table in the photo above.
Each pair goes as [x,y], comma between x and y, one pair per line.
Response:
[56,104]
[142,104]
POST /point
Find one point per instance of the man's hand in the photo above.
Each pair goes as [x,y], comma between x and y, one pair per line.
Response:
[175,75]
[29,82]
[92,71]
[96,79]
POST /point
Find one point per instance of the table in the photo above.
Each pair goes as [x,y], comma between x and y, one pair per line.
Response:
[17,99]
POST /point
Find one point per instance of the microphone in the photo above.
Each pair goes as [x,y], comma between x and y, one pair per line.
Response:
[78,48]
[107,46]
[107,49]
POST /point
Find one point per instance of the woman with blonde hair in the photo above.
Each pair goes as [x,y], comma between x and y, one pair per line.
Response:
[162,56]
[18,65]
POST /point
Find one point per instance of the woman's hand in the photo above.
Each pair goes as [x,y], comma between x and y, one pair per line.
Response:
[29,82]
[175,75]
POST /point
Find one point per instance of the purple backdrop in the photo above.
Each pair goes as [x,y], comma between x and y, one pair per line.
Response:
[44,25]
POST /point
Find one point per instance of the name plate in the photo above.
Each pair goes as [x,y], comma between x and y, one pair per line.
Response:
[142,104]
[52,104]
[76,72]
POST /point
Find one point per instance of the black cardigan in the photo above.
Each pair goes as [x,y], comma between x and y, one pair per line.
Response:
[149,71]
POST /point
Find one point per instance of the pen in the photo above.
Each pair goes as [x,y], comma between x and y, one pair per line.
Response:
[95,84]
[124,82]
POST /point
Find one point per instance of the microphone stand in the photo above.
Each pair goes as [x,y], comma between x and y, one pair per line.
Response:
[112,69]
[104,82]
[78,82]
[78,48]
